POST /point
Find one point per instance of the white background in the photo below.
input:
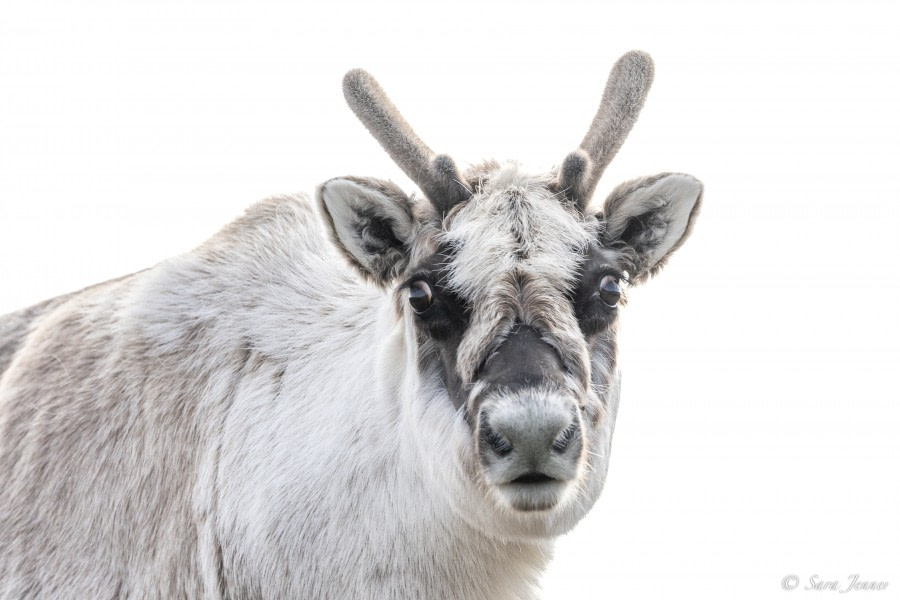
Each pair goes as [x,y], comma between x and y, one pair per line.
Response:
[758,431]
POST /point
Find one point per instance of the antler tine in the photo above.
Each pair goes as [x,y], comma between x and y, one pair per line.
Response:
[437,176]
[626,89]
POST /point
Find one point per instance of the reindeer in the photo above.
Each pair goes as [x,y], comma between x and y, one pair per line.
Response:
[415,409]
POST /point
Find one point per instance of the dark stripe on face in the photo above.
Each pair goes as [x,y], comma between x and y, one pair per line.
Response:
[442,325]
[522,360]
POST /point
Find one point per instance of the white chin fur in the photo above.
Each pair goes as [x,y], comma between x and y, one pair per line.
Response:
[528,497]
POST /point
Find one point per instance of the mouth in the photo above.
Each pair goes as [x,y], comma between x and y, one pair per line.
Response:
[532,491]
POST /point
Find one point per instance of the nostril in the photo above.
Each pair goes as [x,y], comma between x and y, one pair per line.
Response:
[564,439]
[497,442]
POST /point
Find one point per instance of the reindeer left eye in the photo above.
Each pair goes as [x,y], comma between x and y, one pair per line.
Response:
[609,291]
[420,296]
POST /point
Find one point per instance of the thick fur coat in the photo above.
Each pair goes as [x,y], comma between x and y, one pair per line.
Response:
[367,395]
[181,432]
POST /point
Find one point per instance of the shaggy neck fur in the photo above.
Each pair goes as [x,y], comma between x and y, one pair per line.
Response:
[390,510]
[201,396]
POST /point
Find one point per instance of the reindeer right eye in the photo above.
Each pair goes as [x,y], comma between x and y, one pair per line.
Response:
[420,296]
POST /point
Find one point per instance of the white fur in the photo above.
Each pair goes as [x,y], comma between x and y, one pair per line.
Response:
[515,205]
[311,459]
[673,197]
[344,198]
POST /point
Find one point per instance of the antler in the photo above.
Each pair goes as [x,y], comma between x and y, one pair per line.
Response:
[436,175]
[626,89]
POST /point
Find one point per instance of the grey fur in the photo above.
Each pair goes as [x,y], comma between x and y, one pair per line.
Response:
[626,89]
[640,228]
[623,98]
[383,237]
[15,327]
[437,176]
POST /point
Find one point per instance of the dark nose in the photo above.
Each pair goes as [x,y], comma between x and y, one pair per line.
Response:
[529,429]
[522,360]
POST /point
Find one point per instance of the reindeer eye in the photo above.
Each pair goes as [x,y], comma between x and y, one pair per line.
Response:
[420,297]
[609,291]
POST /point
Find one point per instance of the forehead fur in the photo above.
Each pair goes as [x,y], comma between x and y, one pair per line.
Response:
[515,249]
[514,226]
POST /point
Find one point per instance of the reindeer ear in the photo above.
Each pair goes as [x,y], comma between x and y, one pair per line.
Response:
[371,222]
[651,217]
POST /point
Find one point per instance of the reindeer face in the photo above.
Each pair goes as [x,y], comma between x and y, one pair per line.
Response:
[510,318]
[511,287]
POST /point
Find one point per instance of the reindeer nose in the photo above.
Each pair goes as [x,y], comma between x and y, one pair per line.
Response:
[534,434]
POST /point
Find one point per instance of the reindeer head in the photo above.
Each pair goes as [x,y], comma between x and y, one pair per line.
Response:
[510,287]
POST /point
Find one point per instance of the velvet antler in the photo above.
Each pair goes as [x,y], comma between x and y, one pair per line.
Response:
[436,175]
[626,89]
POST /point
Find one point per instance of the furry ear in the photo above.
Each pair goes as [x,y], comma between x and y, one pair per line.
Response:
[651,217]
[371,222]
